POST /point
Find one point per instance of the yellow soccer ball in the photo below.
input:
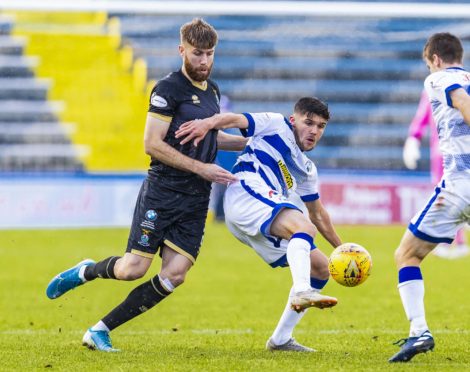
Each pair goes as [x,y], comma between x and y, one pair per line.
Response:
[350,264]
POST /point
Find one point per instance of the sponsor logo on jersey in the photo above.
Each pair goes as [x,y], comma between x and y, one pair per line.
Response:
[286,174]
[271,193]
[151,215]
[158,101]
[195,99]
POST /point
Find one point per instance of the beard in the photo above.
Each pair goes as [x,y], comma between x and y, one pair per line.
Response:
[194,73]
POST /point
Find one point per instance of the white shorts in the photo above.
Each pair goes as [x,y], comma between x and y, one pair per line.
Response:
[250,207]
[445,213]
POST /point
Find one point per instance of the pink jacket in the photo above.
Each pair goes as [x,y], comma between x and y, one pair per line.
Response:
[422,119]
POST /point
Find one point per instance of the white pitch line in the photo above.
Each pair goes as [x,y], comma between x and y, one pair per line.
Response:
[214,332]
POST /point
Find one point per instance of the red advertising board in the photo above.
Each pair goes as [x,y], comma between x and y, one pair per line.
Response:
[366,202]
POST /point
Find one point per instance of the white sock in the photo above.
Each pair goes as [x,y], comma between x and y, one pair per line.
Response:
[298,257]
[81,273]
[287,323]
[412,296]
[100,326]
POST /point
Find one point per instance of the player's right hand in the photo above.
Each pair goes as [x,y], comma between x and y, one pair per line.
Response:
[214,173]
[411,152]
[193,130]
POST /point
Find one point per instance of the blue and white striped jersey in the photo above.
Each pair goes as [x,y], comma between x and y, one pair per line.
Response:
[454,133]
[274,154]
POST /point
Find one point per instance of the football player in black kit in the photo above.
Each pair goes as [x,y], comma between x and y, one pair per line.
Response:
[171,208]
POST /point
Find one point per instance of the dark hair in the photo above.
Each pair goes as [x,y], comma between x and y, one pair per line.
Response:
[199,34]
[446,46]
[311,106]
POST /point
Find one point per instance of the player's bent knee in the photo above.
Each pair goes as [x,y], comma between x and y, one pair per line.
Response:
[176,279]
[130,272]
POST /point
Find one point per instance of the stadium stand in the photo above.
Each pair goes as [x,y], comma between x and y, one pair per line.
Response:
[77,74]
[31,138]
[368,70]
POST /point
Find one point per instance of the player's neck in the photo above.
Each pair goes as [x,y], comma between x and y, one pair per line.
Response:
[198,84]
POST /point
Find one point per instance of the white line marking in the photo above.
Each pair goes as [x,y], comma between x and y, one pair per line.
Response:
[229,331]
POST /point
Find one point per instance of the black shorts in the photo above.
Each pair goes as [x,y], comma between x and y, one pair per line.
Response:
[167,217]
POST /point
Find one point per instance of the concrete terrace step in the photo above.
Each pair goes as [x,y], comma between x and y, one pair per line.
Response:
[24,88]
[340,112]
[51,157]
[15,133]
[24,111]
[300,68]
[365,157]
[6,24]
[17,66]
[12,45]
[328,90]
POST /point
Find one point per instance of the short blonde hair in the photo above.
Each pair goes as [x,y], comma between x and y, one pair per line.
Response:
[199,34]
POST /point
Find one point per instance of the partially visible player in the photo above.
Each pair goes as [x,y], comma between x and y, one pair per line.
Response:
[275,207]
[411,154]
[449,208]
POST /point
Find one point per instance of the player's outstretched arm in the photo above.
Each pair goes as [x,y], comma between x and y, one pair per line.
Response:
[156,147]
[321,219]
[197,129]
[461,101]
[230,142]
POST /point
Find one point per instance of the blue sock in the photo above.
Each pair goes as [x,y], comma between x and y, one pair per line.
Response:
[318,283]
[409,273]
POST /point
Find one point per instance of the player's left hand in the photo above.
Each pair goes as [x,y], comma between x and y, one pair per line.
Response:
[193,130]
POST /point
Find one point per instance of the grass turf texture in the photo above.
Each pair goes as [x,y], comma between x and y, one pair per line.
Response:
[222,316]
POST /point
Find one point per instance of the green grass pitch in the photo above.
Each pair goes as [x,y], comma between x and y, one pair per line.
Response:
[222,316]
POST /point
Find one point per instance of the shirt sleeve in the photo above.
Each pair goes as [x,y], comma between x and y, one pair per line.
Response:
[439,86]
[263,124]
[308,190]
[162,103]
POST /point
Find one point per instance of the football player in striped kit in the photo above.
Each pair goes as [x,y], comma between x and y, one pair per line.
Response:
[448,209]
[275,206]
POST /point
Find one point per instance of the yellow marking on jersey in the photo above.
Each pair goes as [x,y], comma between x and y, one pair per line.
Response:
[201,85]
[179,250]
[195,99]
[165,118]
[286,174]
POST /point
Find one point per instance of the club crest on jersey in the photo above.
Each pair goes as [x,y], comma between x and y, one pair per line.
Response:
[195,99]
[286,174]
[309,166]
[158,101]
[144,238]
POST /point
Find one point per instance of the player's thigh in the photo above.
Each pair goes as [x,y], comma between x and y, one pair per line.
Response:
[252,206]
[290,221]
[446,211]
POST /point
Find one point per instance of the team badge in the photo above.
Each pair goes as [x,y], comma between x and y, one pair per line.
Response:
[158,101]
[144,238]
[309,166]
[195,99]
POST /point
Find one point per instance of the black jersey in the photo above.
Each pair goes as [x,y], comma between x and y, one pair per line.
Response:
[176,100]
